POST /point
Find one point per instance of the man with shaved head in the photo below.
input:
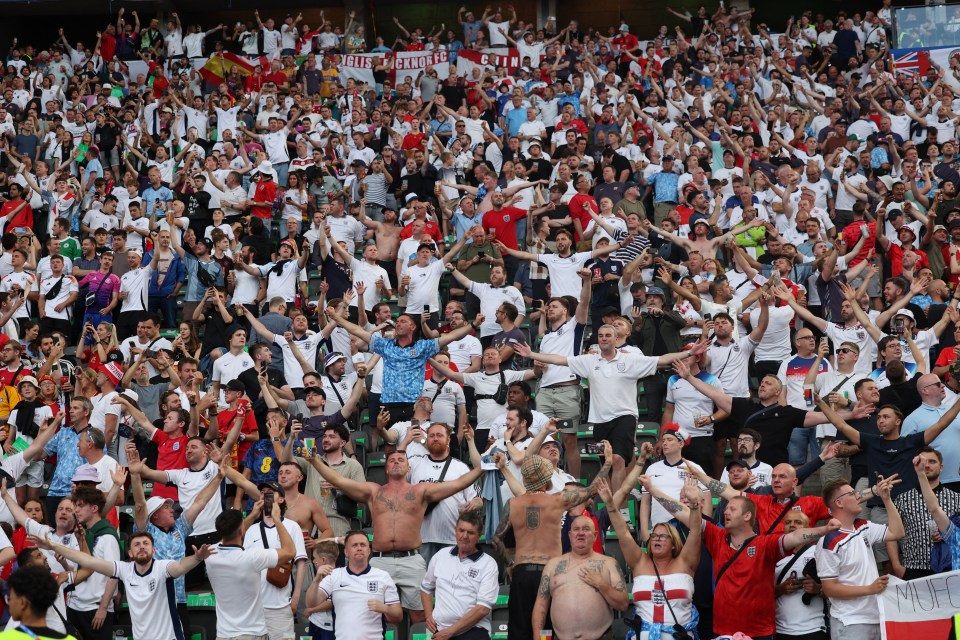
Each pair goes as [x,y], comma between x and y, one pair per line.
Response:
[579,590]
[932,394]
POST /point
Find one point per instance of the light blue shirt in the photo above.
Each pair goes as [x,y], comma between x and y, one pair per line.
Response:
[946,443]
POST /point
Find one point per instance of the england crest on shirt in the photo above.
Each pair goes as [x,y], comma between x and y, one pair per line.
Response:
[751,551]
[621,366]
[473,573]
[373,586]
[176,446]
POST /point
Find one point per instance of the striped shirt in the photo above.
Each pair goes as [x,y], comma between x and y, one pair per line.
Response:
[917,543]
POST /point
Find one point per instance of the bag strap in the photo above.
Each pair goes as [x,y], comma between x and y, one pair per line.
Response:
[725,362]
[437,394]
[263,534]
[840,384]
[333,385]
[793,561]
[783,514]
[446,465]
[732,559]
[663,587]
[103,281]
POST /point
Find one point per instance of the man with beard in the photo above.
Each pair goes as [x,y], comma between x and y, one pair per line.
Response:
[398,508]
[748,443]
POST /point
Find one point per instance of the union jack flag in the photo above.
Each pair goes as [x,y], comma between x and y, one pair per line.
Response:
[912,63]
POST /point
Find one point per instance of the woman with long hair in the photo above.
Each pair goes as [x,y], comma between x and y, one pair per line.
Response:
[692,332]
[667,566]
[186,344]
[30,340]
[295,198]
[104,341]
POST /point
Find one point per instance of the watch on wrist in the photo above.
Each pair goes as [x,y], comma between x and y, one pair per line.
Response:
[277,440]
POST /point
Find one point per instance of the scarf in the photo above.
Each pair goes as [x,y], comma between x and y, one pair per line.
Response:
[102,528]
[481,194]
[656,628]
[25,413]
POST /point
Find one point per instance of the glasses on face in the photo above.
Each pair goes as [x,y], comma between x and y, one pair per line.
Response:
[934,384]
[810,337]
[745,439]
[845,350]
[844,495]
[659,536]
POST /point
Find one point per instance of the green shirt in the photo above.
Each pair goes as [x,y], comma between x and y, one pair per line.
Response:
[70,248]
[479,272]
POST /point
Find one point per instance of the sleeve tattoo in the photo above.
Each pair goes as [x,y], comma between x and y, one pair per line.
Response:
[716,487]
[672,506]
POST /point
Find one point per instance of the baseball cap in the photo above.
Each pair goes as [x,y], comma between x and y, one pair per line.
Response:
[738,462]
[655,291]
[953,224]
[235,385]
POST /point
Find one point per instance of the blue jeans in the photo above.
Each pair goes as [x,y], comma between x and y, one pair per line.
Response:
[166,306]
[801,440]
[282,168]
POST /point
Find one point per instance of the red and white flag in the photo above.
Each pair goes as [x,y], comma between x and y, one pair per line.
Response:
[471,64]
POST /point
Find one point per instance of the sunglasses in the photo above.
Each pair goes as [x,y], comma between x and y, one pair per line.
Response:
[845,350]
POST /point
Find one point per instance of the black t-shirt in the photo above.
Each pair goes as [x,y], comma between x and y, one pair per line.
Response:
[216,332]
[887,457]
[538,169]
[619,163]
[197,209]
[903,395]
[858,462]
[337,276]
[774,424]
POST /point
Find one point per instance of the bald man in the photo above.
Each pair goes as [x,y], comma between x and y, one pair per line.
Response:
[933,406]
[580,590]
[773,507]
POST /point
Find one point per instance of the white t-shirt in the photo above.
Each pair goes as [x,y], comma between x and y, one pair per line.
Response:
[564,280]
[151,603]
[689,403]
[439,526]
[87,595]
[486,385]
[351,594]
[793,616]
[847,557]
[308,346]
[368,274]
[669,479]
[271,596]
[189,485]
[332,388]
[729,363]
[136,284]
[462,350]
[235,575]
[423,291]
[490,300]
[445,402]
[775,343]
[229,367]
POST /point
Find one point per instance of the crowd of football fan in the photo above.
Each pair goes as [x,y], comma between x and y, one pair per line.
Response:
[469,356]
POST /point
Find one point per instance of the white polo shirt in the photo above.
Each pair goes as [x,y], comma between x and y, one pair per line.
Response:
[847,557]
[189,485]
[152,600]
[86,597]
[234,574]
[565,340]
[308,346]
[613,383]
[351,593]
[271,596]
[461,584]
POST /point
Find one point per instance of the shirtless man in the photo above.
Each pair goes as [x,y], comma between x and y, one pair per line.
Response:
[301,508]
[387,235]
[535,519]
[580,590]
[397,509]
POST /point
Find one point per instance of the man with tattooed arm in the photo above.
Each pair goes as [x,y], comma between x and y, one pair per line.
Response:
[397,509]
[743,563]
[580,589]
[535,518]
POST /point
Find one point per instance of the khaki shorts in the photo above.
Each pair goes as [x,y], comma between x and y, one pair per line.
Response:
[407,574]
[562,403]
[279,624]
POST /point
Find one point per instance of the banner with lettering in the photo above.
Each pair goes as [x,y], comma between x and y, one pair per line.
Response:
[921,608]
[408,64]
[470,63]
